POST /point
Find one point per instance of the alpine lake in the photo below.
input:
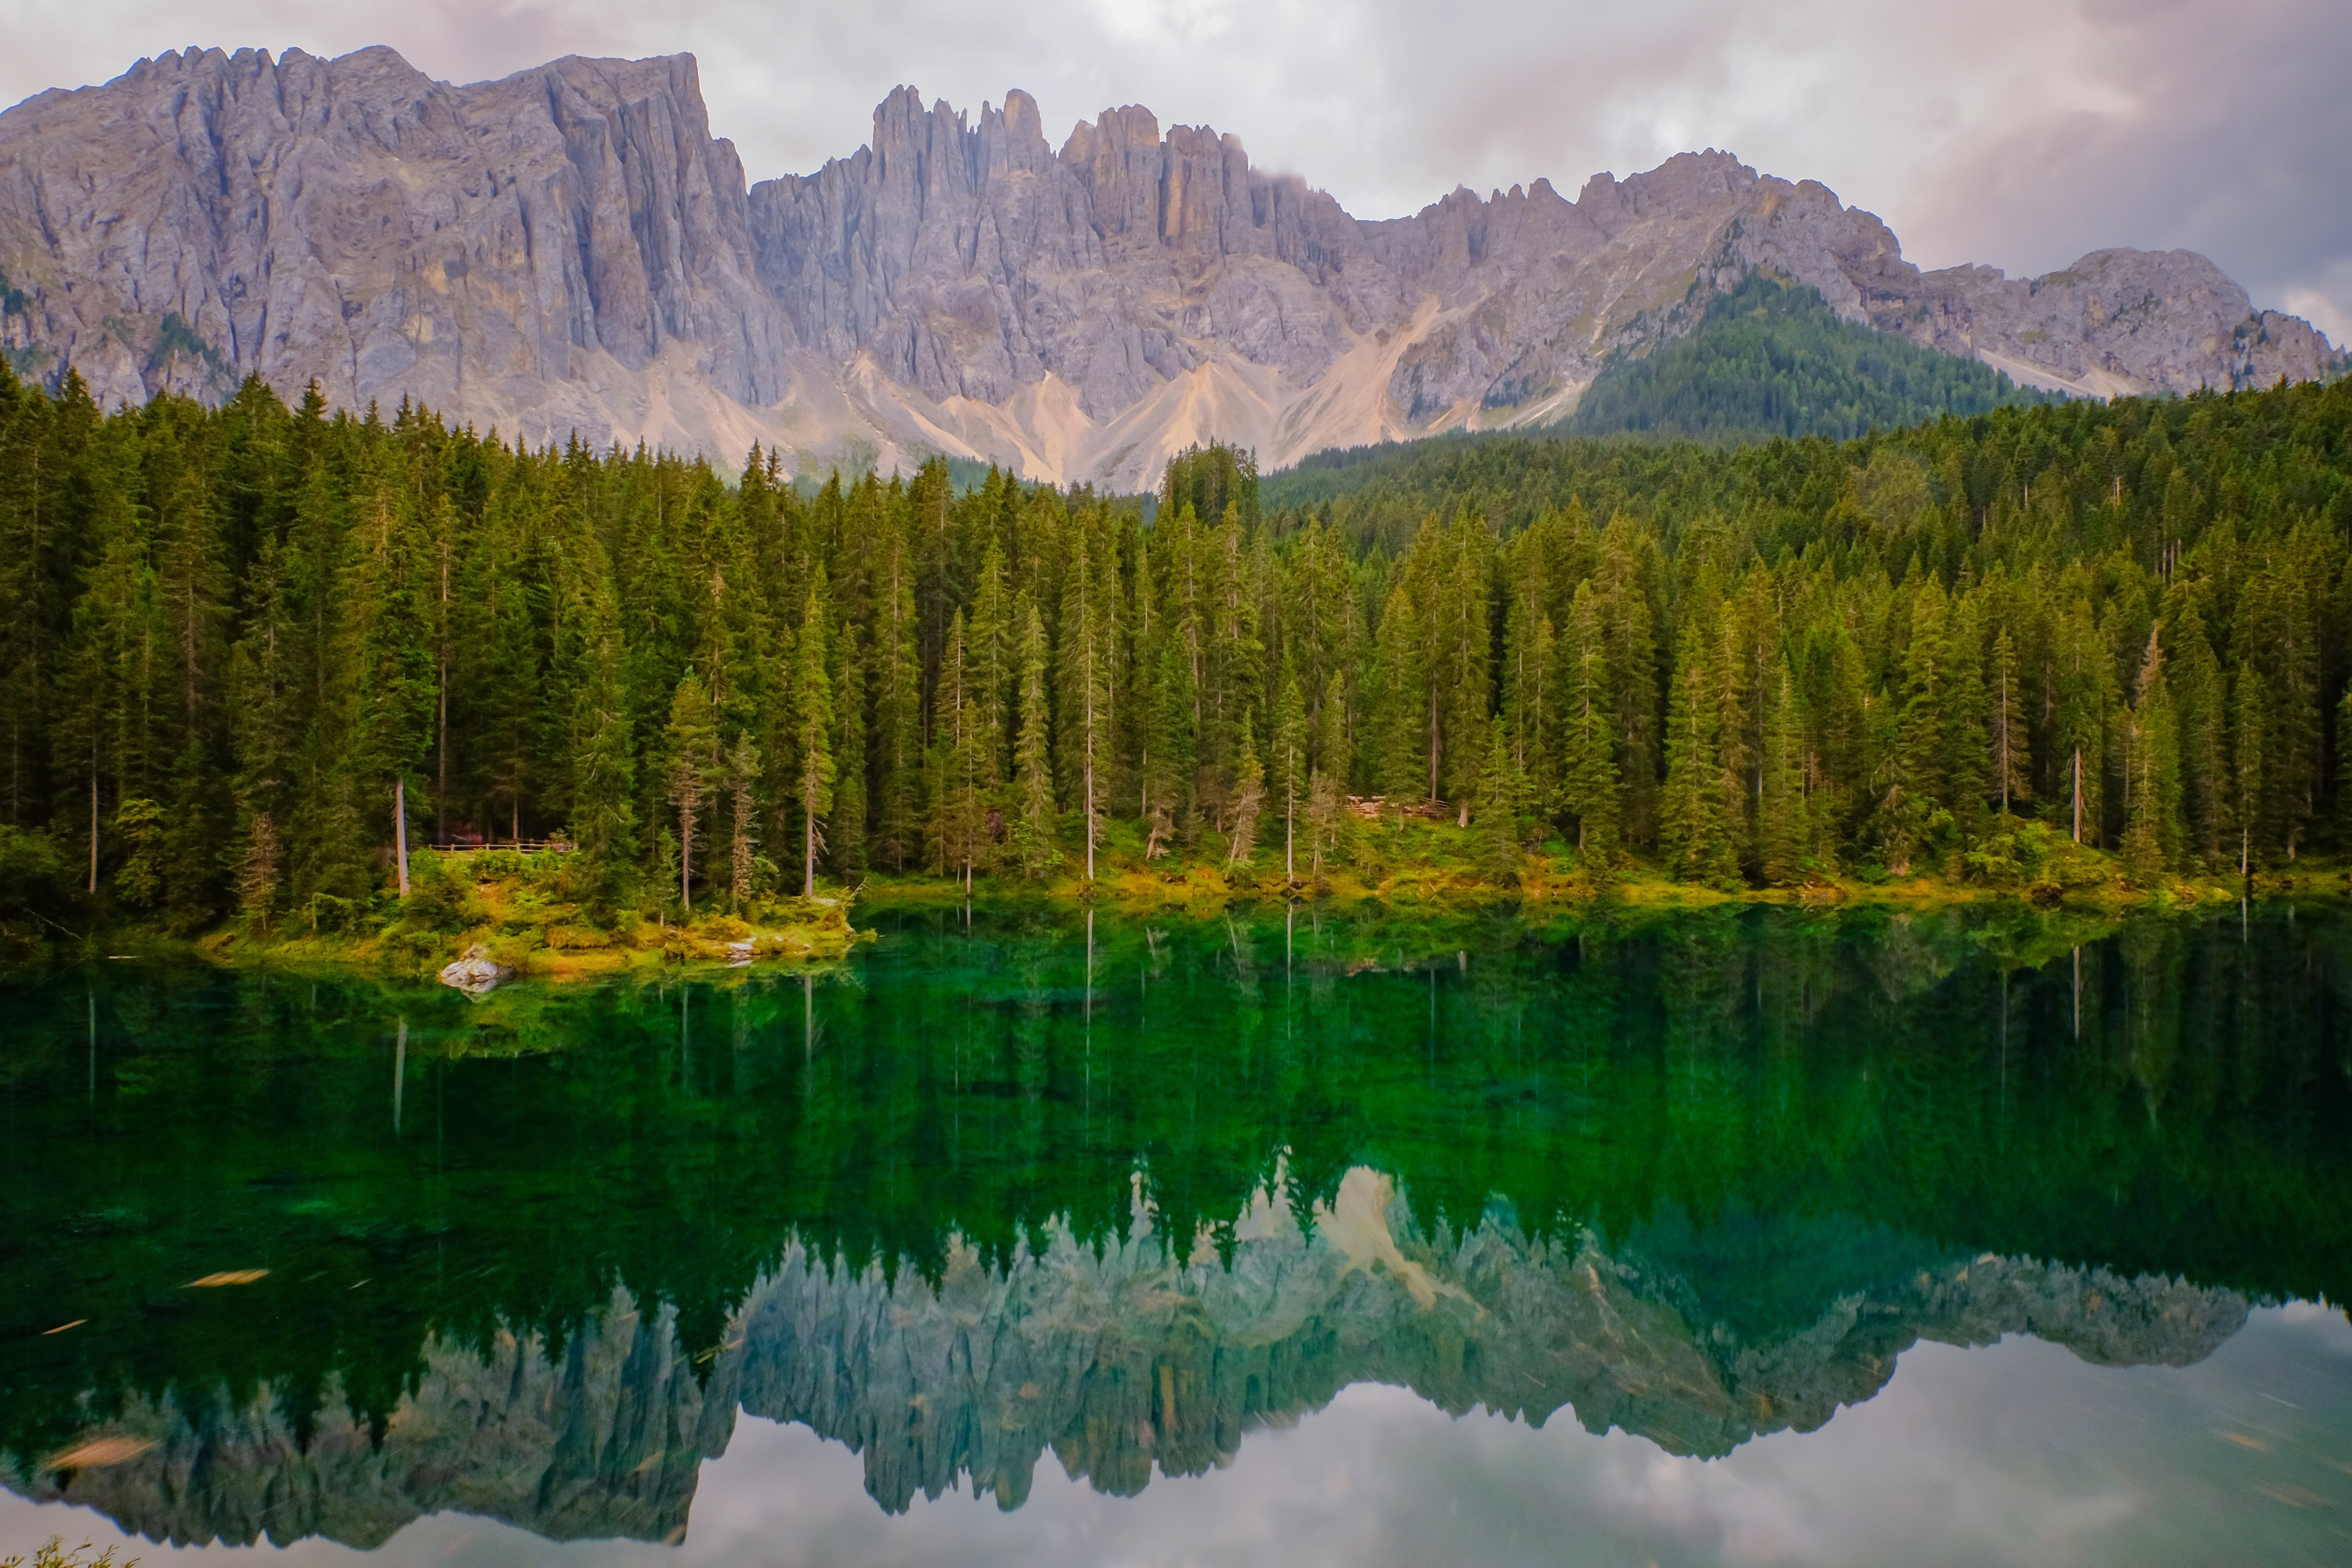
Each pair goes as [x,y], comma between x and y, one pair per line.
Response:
[1037,1237]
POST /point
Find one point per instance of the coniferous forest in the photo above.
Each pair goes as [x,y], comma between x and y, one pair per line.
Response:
[249,649]
[1772,358]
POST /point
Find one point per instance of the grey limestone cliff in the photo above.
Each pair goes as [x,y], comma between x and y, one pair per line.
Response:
[1120,1359]
[570,247]
[542,252]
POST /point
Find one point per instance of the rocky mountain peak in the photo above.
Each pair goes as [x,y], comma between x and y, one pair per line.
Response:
[572,249]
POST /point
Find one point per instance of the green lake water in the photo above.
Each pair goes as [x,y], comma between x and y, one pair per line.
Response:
[1035,1238]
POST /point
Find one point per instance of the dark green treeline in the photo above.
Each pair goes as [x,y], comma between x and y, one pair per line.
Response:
[237,636]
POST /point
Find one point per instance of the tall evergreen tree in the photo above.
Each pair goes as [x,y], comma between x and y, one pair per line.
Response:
[1290,771]
[813,726]
[1034,810]
[691,743]
[1590,731]
[1784,823]
[1692,834]
[1249,793]
[1502,798]
[2010,729]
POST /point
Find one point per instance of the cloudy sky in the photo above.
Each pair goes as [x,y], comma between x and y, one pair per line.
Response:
[2017,133]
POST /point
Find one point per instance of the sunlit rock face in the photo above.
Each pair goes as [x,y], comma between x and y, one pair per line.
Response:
[566,247]
[571,248]
[1119,1358]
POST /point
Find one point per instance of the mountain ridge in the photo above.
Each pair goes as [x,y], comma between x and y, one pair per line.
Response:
[571,247]
[1150,1355]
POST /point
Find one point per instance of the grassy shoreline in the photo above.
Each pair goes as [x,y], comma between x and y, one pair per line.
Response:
[513,908]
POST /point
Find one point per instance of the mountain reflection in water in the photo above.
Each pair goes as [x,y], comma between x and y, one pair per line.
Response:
[1125,1194]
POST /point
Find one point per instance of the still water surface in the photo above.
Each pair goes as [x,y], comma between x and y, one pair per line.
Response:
[1023,1238]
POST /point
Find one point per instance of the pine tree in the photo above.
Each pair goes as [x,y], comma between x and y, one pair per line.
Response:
[2250,724]
[1632,661]
[963,776]
[2083,681]
[1502,796]
[1089,631]
[1034,810]
[604,822]
[2151,771]
[1249,793]
[1463,667]
[896,682]
[2344,759]
[690,745]
[2011,742]
[1326,784]
[991,636]
[1168,747]
[1967,782]
[1692,835]
[2202,720]
[1590,731]
[1403,763]
[742,780]
[1290,780]
[846,845]
[1912,811]
[813,726]
[1784,838]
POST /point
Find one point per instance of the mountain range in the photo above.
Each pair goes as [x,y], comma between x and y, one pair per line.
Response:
[570,248]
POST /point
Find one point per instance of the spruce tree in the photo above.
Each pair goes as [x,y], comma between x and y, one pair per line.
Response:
[1034,810]
[2201,722]
[604,820]
[897,684]
[690,746]
[1403,763]
[1169,749]
[1290,780]
[1086,682]
[812,727]
[964,777]
[1692,835]
[2151,771]
[2008,729]
[1249,793]
[2250,724]
[845,849]
[1502,796]
[742,781]
[1912,810]
[1784,835]
[1589,732]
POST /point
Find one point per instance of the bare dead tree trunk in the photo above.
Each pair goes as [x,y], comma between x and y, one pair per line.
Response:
[400,829]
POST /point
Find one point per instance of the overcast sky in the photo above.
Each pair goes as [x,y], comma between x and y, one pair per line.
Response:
[2017,133]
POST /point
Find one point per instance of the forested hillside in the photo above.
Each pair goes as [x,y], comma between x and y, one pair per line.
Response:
[236,636]
[1771,359]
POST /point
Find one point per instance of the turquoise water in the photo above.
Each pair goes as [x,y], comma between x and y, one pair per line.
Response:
[1027,1237]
